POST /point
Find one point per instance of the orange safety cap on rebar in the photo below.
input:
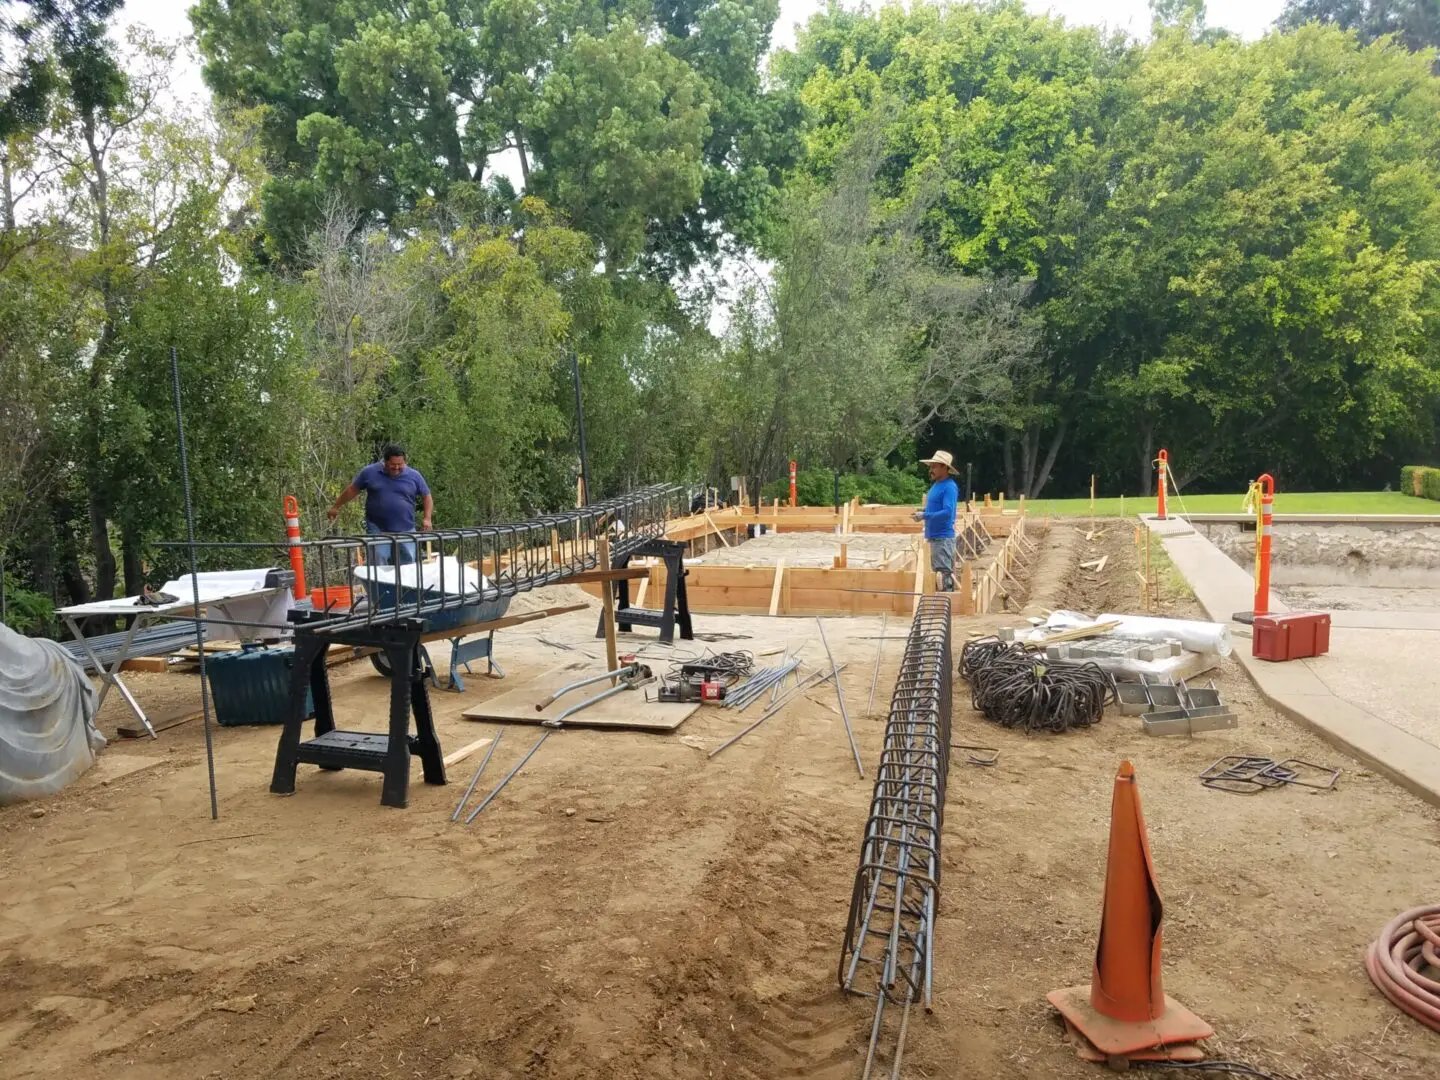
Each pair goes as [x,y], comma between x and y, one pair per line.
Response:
[1124,1012]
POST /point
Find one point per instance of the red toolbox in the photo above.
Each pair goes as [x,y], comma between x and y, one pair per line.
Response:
[1290,637]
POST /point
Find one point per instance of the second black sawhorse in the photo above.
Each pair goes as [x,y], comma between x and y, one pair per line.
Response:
[334,749]
[677,604]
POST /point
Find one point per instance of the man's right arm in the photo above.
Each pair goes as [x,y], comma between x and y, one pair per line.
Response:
[345,496]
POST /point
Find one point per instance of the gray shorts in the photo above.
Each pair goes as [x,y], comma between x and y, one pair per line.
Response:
[942,554]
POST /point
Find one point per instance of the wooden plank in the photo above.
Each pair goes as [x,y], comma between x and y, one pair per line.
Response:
[163,722]
[152,665]
[625,573]
[918,585]
[711,522]
[608,601]
[493,624]
[775,589]
[466,750]
[627,709]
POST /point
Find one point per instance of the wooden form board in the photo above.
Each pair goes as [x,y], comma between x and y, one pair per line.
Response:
[851,519]
[802,590]
[627,709]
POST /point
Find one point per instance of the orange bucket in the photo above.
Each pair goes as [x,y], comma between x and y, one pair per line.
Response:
[331,598]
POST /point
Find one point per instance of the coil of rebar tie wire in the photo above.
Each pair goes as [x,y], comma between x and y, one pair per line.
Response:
[1398,958]
[1018,689]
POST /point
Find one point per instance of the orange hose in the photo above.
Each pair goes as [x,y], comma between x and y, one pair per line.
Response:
[1397,959]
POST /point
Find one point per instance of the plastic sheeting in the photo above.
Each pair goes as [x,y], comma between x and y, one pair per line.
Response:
[47,718]
[458,579]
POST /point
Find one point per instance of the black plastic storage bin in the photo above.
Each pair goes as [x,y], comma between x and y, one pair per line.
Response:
[252,686]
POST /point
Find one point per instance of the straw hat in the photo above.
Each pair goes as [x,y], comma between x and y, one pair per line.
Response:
[942,457]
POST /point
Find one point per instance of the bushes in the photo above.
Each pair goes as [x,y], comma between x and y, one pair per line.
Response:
[1421,480]
[816,487]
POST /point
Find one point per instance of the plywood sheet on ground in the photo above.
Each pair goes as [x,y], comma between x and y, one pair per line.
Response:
[628,709]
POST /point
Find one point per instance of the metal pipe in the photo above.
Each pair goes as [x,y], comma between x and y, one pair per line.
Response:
[875,678]
[476,779]
[510,775]
[809,681]
[625,671]
[194,580]
[840,696]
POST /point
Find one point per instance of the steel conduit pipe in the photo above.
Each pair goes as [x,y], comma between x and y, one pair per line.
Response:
[1397,960]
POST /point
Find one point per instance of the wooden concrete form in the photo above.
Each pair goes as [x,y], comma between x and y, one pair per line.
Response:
[894,589]
[852,519]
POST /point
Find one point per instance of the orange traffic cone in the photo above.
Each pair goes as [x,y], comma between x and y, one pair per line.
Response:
[1125,1014]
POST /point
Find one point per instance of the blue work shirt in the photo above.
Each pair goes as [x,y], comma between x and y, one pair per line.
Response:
[940,502]
[390,500]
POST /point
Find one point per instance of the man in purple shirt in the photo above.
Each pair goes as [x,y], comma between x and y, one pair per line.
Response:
[391,488]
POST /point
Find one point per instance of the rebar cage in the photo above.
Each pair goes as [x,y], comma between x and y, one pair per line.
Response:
[511,557]
[889,942]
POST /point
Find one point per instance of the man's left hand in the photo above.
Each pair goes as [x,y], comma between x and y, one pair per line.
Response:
[428,526]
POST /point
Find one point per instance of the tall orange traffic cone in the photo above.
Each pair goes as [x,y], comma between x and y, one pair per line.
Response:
[1125,1013]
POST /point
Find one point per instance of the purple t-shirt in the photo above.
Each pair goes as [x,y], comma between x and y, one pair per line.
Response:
[390,500]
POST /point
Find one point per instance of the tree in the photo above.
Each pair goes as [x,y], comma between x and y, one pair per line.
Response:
[1414,23]
[656,107]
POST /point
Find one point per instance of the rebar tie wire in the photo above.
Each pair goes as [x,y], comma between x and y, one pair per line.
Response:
[888,952]
[1014,688]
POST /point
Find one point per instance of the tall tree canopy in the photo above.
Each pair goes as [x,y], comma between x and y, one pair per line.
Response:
[647,124]
[1414,23]
[1234,244]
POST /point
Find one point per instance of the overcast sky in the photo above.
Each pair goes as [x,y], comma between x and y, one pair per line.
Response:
[1248,18]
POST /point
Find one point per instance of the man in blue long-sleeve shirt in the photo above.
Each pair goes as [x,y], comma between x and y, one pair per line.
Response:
[939,517]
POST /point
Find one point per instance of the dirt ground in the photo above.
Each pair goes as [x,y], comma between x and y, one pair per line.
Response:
[685,920]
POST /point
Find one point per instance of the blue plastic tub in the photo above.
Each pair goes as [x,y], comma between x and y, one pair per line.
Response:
[382,598]
[252,686]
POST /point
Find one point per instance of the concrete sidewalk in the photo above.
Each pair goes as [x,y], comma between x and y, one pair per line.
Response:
[1372,695]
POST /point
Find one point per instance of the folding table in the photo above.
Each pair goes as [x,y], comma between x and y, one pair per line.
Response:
[244,600]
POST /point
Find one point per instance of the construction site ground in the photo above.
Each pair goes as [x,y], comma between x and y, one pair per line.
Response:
[629,909]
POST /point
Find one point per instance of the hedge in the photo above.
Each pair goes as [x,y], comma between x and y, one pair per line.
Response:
[1421,480]
[816,487]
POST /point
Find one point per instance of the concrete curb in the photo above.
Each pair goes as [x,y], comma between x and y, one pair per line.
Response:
[1223,588]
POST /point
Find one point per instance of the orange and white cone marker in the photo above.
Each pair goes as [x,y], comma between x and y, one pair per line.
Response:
[292,539]
[1261,499]
[1124,1013]
[1163,465]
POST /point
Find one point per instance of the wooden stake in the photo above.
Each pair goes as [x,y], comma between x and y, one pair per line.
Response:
[718,533]
[608,598]
[775,588]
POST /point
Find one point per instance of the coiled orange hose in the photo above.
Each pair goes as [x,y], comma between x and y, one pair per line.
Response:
[1397,960]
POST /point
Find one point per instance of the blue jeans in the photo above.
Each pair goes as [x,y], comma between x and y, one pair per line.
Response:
[385,552]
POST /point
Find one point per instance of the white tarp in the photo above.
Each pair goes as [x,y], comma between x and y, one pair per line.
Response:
[47,714]
[458,579]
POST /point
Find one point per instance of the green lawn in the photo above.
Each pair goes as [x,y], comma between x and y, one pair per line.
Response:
[1313,502]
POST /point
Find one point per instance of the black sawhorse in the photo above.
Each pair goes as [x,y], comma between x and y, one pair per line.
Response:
[677,603]
[333,749]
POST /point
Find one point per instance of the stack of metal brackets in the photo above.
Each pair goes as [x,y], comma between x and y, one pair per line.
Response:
[1175,708]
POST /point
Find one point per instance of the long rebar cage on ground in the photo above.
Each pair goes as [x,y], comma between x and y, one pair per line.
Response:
[889,937]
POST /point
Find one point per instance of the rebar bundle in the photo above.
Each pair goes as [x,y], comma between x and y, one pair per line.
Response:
[1015,688]
[889,944]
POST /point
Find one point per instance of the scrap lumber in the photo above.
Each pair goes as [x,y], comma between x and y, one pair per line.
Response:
[712,524]
[152,665]
[1074,634]
[466,750]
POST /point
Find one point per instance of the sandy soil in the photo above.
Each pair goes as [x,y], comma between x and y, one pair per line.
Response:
[685,920]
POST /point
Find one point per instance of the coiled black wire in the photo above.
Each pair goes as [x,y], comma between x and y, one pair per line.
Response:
[727,667]
[1018,689]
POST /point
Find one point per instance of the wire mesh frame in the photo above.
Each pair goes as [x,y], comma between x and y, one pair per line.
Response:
[514,557]
[888,950]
